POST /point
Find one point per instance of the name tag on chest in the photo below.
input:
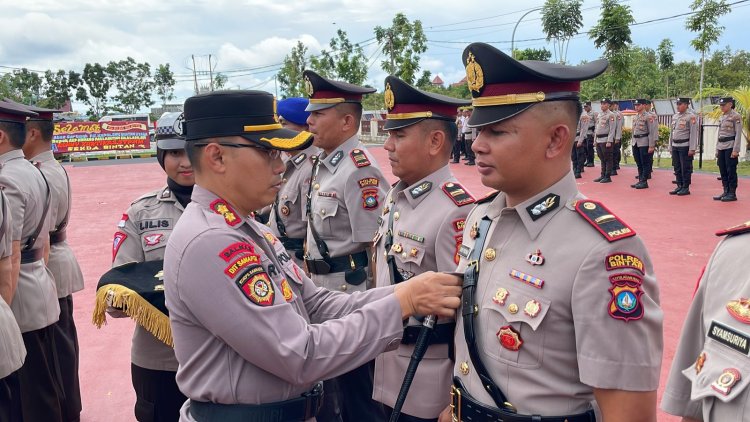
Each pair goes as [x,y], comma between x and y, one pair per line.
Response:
[729,337]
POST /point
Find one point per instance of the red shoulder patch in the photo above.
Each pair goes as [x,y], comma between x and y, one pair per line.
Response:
[359,158]
[738,229]
[240,263]
[257,286]
[602,219]
[235,249]
[222,208]
[458,194]
[117,242]
[458,225]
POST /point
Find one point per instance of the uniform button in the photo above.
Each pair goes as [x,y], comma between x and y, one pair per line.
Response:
[323,212]
[283,180]
[396,215]
[513,308]
[403,255]
[316,186]
[284,197]
[464,368]
[490,254]
[344,287]
[385,253]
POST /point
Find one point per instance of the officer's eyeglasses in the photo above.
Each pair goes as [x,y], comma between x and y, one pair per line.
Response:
[273,154]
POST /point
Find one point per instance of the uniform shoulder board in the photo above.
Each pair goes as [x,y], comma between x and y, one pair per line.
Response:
[458,194]
[735,230]
[488,198]
[153,194]
[359,158]
[606,223]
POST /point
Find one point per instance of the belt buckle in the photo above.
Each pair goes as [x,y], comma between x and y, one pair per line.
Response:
[455,414]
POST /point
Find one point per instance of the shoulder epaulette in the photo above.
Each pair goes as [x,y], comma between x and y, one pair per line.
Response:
[458,194]
[489,197]
[734,230]
[606,223]
[153,194]
[359,158]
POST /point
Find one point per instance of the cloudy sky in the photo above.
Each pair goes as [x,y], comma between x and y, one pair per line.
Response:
[248,39]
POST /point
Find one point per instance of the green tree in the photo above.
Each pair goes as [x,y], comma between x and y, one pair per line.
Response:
[705,23]
[541,54]
[727,69]
[164,83]
[26,86]
[132,82]
[344,61]
[612,32]
[666,61]
[220,81]
[95,90]
[424,81]
[290,74]
[402,43]
[561,20]
[374,101]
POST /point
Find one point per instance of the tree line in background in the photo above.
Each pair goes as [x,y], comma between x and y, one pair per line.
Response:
[124,86]
[127,86]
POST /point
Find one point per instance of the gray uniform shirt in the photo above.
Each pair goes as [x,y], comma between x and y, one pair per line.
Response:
[552,283]
[606,124]
[730,126]
[347,196]
[427,231]
[62,262]
[12,350]
[645,124]
[141,236]
[292,197]
[684,127]
[619,120]
[35,302]
[714,342]
[593,116]
[249,326]
[582,130]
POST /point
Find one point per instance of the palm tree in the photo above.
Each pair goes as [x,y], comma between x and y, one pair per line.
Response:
[741,97]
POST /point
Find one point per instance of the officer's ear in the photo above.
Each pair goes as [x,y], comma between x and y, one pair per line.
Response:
[560,140]
[213,158]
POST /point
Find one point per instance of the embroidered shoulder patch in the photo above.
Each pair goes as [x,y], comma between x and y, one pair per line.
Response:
[222,208]
[256,286]
[458,194]
[489,197]
[369,181]
[359,158]
[734,230]
[286,290]
[621,260]
[606,223]
[459,225]
[240,263]
[626,297]
[370,199]
[299,158]
[123,220]
[117,242]
[235,249]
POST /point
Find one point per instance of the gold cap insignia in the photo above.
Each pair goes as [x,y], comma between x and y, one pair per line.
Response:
[474,73]
[390,99]
[308,86]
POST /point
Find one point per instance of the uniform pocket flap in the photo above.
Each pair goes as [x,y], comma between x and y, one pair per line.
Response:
[718,372]
[154,240]
[408,252]
[516,306]
[326,207]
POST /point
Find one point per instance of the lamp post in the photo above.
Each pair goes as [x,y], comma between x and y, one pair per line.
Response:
[513,37]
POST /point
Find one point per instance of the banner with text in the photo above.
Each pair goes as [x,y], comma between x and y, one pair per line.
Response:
[99,136]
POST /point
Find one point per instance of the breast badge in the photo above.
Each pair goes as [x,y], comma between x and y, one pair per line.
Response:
[535,258]
[740,310]
[509,338]
[726,381]
[700,362]
[500,296]
[528,279]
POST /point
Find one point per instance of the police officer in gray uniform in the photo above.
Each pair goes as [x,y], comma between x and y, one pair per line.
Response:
[578,152]
[683,141]
[645,132]
[288,220]
[253,334]
[710,373]
[590,133]
[34,303]
[420,230]
[617,151]
[62,262]
[560,318]
[141,236]
[728,148]
[12,351]
[604,136]
[343,205]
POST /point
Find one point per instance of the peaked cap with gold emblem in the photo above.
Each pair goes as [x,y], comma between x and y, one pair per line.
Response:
[501,87]
[249,114]
[326,93]
[408,105]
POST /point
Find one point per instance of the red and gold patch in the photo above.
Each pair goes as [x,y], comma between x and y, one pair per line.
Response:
[459,242]
[222,208]
[458,194]
[740,310]
[359,158]
[738,229]
[270,238]
[286,290]
[117,242]
[370,199]
[726,381]
[509,338]
[369,181]
[256,286]
[235,249]
[459,225]
[620,260]
[240,263]
[626,297]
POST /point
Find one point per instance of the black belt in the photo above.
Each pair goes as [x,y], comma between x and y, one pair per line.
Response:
[299,409]
[727,139]
[57,237]
[602,135]
[680,141]
[468,409]
[441,334]
[295,245]
[338,264]
[32,255]
[643,135]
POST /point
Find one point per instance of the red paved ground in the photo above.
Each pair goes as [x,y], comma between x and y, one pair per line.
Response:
[677,230]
